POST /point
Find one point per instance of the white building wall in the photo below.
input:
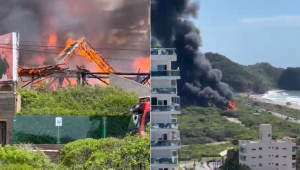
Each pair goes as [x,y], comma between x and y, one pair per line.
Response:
[160,83]
[172,134]
[267,154]
[166,118]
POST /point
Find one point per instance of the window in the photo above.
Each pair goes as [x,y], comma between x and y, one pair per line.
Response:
[283,164]
[293,157]
[260,148]
[269,135]
[276,156]
[162,102]
[153,101]
[166,168]
[165,136]
[161,67]
[276,148]
[283,148]
[284,156]
[294,165]
[254,149]
[253,157]
[276,164]
[174,153]
[259,156]
[259,164]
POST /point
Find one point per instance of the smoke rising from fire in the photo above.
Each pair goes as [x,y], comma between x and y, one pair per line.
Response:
[51,23]
[170,27]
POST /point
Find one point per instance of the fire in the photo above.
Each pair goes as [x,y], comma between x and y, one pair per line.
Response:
[52,40]
[231,105]
[142,63]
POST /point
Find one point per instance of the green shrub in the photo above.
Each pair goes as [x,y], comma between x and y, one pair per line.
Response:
[78,100]
[24,155]
[16,167]
[131,152]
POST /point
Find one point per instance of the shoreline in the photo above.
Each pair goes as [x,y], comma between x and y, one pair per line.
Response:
[275,102]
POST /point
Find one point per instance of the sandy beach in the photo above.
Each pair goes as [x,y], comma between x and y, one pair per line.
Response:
[275,102]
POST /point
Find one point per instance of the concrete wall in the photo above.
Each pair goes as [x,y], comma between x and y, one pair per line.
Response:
[129,85]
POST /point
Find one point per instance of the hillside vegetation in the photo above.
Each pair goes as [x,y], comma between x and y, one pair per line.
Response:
[200,125]
[257,78]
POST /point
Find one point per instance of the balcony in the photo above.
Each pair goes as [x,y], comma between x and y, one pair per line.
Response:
[175,74]
[163,91]
[164,126]
[167,109]
[159,161]
[160,54]
[166,144]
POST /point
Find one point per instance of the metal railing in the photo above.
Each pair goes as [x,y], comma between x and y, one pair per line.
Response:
[163,51]
[165,73]
[163,143]
[165,108]
[164,125]
[165,90]
[163,161]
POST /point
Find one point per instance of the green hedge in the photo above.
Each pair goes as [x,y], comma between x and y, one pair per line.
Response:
[129,153]
[77,100]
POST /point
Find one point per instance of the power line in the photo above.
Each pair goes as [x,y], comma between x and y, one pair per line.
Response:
[41,42]
[49,52]
[100,48]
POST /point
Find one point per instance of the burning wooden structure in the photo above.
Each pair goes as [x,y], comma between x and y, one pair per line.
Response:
[61,74]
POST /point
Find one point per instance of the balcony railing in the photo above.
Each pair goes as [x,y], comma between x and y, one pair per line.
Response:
[156,51]
[165,108]
[163,161]
[163,143]
[165,73]
[167,90]
[164,125]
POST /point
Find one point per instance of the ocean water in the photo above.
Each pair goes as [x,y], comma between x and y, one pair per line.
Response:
[282,96]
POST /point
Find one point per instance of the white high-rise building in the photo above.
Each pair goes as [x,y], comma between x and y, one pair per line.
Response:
[268,154]
[165,136]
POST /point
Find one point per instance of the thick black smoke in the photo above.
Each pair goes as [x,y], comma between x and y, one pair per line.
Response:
[199,84]
[103,23]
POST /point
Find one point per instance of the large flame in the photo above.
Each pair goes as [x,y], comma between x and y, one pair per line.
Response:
[231,105]
[142,64]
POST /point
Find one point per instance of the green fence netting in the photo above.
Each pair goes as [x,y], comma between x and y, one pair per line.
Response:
[41,129]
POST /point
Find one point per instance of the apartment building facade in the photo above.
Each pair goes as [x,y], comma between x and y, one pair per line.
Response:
[268,154]
[165,136]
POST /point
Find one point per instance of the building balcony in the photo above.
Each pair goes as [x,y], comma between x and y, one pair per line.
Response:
[165,109]
[163,54]
[167,91]
[164,162]
[165,144]
[163,126]
[167,74]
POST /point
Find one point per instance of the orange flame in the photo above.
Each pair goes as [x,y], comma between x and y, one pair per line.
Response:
[231,105]
[142,63]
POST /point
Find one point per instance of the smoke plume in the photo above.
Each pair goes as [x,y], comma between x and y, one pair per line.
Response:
[171,27]
[103,23]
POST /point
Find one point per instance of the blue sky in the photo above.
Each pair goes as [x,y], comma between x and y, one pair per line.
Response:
[251,31]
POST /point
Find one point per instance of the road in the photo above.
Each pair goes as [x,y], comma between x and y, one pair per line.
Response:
[212,165]
[191,165]
[284,117]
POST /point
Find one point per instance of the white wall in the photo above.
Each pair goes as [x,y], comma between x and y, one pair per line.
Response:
[160,83]
[163,118]
[161,154]
[269,152]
